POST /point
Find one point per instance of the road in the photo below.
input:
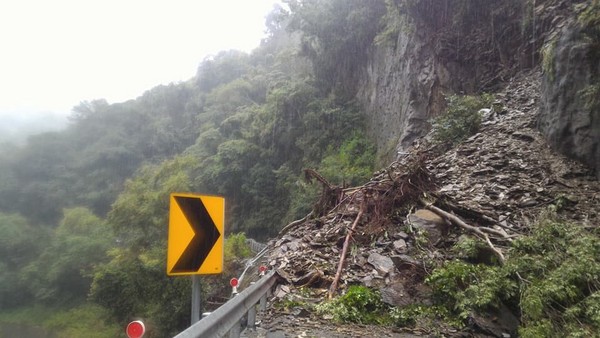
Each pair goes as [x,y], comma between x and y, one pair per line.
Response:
[301,323]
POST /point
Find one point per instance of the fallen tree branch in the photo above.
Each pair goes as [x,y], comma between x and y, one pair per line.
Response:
[336,279]
[457,221]
[294,224]
[496,232]
[485,217]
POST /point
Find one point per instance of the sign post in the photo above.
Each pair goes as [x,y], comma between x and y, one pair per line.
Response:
[196,299]
[195,243]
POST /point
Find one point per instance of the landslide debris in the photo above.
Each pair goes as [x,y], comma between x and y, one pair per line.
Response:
[497,183]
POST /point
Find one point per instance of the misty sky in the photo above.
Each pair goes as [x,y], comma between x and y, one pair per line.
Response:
[55,54]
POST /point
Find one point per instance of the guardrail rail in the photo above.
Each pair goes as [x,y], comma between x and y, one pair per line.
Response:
[226,319]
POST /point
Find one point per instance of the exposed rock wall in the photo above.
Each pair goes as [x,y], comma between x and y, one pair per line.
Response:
[401,91]
[434,53]
[569,119]
[405,79]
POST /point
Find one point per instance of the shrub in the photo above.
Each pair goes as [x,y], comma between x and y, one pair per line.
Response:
[359,305]
[465,288]
[461,119]
[560,266]
[352,163]
[236,247]
[551,277]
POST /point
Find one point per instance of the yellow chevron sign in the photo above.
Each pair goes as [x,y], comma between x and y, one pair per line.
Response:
[195,243]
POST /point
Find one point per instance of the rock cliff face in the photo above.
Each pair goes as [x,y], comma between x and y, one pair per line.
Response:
[437,47]
[432,55]
[568,116]
[402,91]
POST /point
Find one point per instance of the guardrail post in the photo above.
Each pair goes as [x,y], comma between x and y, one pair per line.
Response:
[263,303]
[227,318]
[252,317]
[235,330]
[252,314]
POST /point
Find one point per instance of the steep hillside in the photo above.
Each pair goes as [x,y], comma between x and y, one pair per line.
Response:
[418,217]
[428,49]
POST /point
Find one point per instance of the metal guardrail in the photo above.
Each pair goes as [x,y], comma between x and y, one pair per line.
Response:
[255,246]
[226,319]
[250,263]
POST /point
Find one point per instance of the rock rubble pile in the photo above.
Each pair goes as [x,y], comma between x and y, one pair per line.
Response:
[498,181]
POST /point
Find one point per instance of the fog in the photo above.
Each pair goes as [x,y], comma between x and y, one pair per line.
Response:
[15,127]
[60,53]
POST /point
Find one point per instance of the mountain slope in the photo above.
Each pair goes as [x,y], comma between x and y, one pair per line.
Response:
[501,181]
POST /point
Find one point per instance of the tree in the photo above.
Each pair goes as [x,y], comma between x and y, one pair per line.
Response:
[41,172]
[140,213]
[132,285]
[220,69]
[20,244]
[63,271]
[352,164]
[336,37]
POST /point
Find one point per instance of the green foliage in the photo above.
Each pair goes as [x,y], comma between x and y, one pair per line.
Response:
[325,126]
[139,214]
[336,37]
[87,320]
[221,69]
[561,263]
[84,320]
[303,196]
[393,22]
[39,174]
[136,286]
[551,276]
[465,287]
[461,119]
[467,247]
[548,58]
[423,316]
[474,250]
[62,272]
[20,244]
[589,19]
[591,96]
[352,163]
[236,247]
[359,305]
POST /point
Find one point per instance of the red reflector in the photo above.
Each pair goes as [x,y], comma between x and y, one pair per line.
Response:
[135,329]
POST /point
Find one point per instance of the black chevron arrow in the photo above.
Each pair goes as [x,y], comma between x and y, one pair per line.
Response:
[206,235]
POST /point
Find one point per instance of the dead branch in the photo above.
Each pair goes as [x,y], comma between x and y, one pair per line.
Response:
[496,232]
[294,224]
[309,174]
[457,221]
[484,217]
[331,195]
[336,279]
